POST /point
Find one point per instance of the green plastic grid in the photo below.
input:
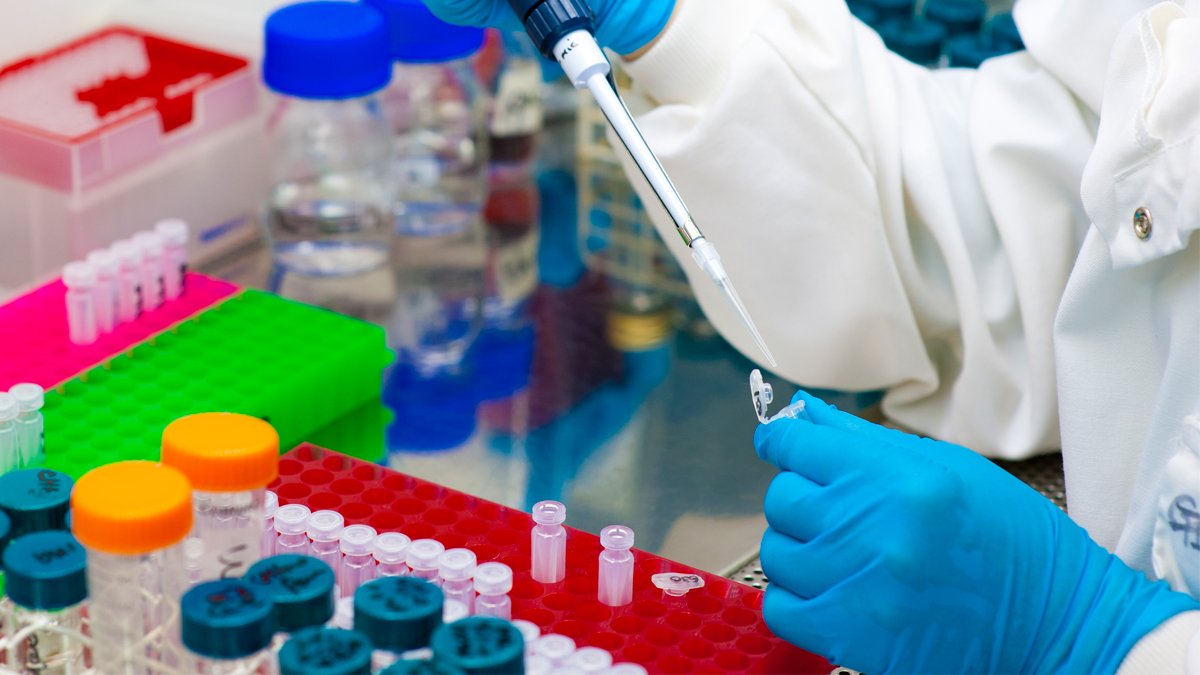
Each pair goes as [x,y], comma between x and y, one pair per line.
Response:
[299,367]
[362,433]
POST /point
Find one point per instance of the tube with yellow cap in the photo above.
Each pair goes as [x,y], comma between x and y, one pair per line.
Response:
[229,459]
[132,518]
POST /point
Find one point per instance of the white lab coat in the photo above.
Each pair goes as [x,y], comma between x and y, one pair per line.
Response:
[924,232]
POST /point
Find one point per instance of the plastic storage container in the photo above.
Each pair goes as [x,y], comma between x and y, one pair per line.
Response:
[46,581]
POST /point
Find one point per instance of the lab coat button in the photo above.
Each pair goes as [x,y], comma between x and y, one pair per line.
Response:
[1143,223]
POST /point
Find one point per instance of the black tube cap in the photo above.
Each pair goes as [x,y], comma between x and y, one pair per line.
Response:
[548,21]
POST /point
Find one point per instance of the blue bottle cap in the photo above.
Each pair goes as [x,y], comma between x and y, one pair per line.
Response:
[301,588]
[886,10]
[5,531]
[226,619]
[916,39]
[325,651]
[970,51]
[423,667]
[429,413]
[46,570]
[503,362]
[35,499]
[398,613]
[1003,29]
[417,36]
[959,17]
[326,50]
[481,644]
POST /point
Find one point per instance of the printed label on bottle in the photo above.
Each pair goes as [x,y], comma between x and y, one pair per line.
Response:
[518,108]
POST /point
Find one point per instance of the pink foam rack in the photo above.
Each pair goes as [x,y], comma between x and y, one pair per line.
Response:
[714,629]
[33,331]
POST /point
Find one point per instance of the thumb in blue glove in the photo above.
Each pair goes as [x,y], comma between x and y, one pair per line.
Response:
[893,553]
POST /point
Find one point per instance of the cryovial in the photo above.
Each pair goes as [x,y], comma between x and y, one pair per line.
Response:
[270,506]
[31,437]
[422,557]
[45,577]
[129,285]
[150,269]
[35,499]
[10,455]
[493,581]
[554,647]
[229,459]
[326,651]
[80,280]
[529,632]
[174,234]
[291,525]
[357,565]
[480,644]
[589,659]
[456,567]
[398,615]
[107,269]
[324,527]
[549,542]
[615,578]
[300,587]
[227,626]
[135,568]
[390,551]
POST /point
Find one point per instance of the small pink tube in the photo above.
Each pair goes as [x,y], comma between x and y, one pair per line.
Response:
[615,585]
[549,542]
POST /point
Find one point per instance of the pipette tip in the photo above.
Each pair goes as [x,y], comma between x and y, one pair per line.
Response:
[736,300]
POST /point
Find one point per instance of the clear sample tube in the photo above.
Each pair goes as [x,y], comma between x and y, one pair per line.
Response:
[398,615]
[80,280]
[324,527]
[390,551]
[327,651]
[229,459]
[549,542]
[107,269]
[35,500]
[454,610]
[270,506]
[536,664]
[174,234]
[615,577]
[227,626]
[150,269]
[529,632]
[589,659]
[554,647]
[46,581]
[135,569]
[291,528]
[357,564]
[456,567]
[30,431]
[301,589]
[493,581]
[10,455]
[129,283]
[480,644]
[422,557]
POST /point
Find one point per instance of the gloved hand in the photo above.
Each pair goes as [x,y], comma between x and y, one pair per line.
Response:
[623,26]
[893,553]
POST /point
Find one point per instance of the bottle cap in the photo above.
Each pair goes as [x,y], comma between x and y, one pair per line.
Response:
[554,646]
[429,413]
[5,531]
[480,644]
[173,231]
[391,547]
[127,254]
[590,659]
[46,571]
[456,564]
[292,519]
[149,243]
[301,588]
[326,651]
[549,512]
[29,396]
[79,275]
[529,630]
[325,525]
[892,9]
[493,578]
[226,619]
[356,539]
[423,554]
[8,407]
[104,261]
[616,538]
[35,499]
[222,452]
[131,508]
[398,613]
[270,504]
[418,36]
[326,50]
[959,17]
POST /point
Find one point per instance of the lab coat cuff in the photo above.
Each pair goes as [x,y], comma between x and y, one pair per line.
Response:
[689,62]
[1173,647]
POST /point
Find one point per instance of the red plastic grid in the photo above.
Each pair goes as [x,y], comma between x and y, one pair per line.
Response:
[35,347]
[716,629]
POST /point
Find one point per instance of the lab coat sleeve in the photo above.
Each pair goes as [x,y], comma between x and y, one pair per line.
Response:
[888,226]
[1173,647]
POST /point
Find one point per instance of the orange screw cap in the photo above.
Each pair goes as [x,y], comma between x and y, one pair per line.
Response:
[222,452]
[131,508]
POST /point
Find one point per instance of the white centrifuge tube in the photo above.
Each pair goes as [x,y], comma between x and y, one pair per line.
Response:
[150,246]
[270,506]
[129,291]
[174,233]
[10,457]
[554,647]
[324,528]
[30,430]
[548,546]
[422,557]
[80,280]
[107,268]
[529,632]
[357,565]
[456,567]
[390,550]
[615,577]
[291,524]
[589,660]
[493,581]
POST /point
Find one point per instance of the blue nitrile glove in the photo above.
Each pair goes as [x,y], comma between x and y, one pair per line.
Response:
[623,26]
[893,553]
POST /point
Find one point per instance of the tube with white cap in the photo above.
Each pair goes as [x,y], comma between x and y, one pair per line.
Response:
[107,268]
[129,291]
[174,233]
[80,280]
[150,246]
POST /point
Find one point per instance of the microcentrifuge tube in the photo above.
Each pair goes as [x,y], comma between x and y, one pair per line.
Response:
[454,610]
[536,664]
[626,669]
[150,247]
[270,506]
[324,527]
[761,396]
[30,432]
[590,659]
[80,280]
[10,456]
[493,581]
[358,565]
[291,525]
[456,567]
[107,269]
[422,557]
[390,552]
[174,233]
[548,551]
[615,577]
[129,291]
[529,631]
[554,647]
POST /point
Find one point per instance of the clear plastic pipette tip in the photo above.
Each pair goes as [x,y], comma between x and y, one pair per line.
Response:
[705,255]
[734,298]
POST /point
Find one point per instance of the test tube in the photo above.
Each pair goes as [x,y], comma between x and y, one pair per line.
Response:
[80,280]
[548,550]
[480,644]
[10,455]
[129,291]
[30,432]
[270,506]
[324,527]
[357,564]
[35,499]
[398,615]
[554,647]
[150,269]
[493,581]
[301,589]
[227,626]
[291,525]
[456,567]
[174,233]
[45,577]
[390,551]
[615,585]
[229,459]
[107,269]
[132,518]
[422,557]
[589,659]
[327,651]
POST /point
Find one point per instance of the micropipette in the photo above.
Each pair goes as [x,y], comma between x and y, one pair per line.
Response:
[562,30]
